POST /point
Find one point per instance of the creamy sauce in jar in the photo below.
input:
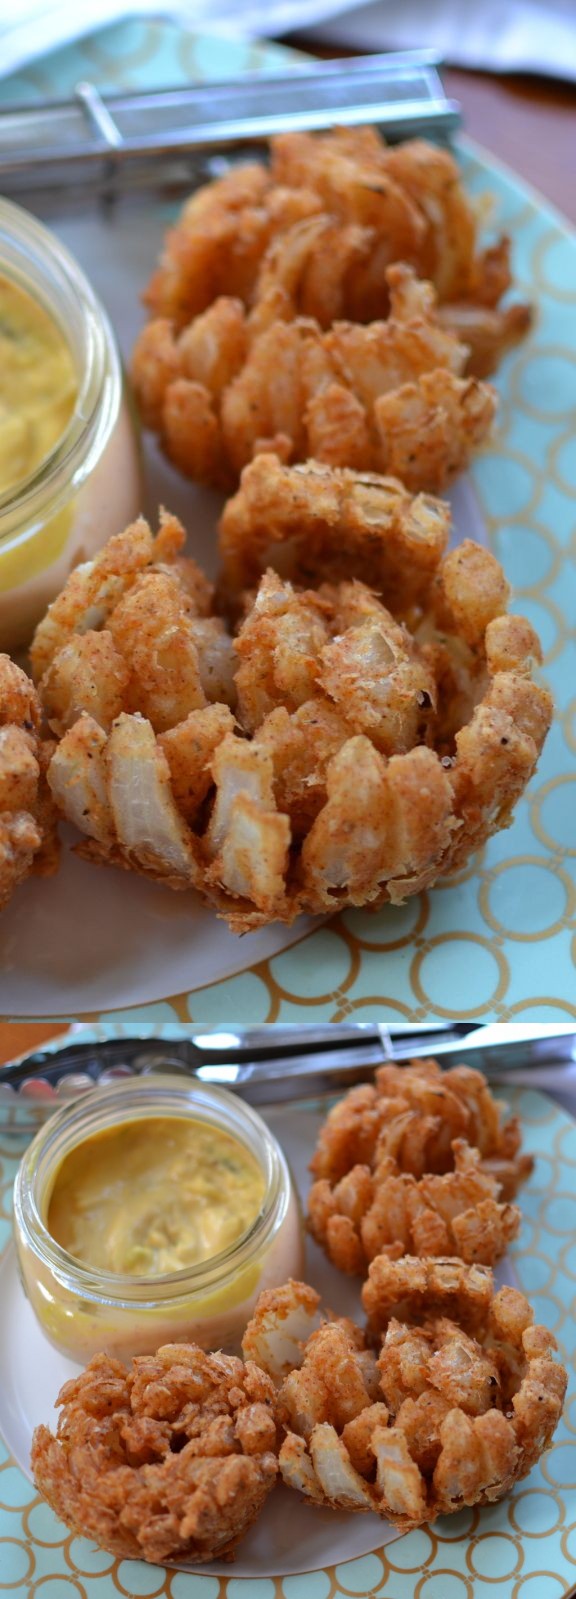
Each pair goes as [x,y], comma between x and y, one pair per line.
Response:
[38,385]
[153,1196]
[70,470]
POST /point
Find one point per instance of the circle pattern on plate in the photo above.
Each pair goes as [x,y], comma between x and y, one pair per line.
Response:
[524,1547]
[400,963]
[498,942]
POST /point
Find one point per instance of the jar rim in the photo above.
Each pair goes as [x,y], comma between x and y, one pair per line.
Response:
[32,245]
[177,1091]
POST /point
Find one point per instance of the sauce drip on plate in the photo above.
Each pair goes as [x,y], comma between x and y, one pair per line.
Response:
[153,1196]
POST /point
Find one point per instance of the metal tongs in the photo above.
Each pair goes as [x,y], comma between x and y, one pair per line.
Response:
[269,1065]
[170,135]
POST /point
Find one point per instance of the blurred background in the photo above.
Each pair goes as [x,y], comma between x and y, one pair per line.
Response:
[511,65]
[517,35]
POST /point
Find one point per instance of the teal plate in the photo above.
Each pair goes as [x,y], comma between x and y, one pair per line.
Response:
[498,942]
[523,1548]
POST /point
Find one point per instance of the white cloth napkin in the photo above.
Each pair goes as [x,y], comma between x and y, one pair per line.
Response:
[498,35]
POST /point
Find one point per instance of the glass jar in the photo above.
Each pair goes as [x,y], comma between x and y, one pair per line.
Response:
[83,1310]
[89,486]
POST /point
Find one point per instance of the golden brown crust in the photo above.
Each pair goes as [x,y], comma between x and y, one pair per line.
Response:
[169,1459]
[292,313]
[412,1114]
[421,1163]
[460,1401]
[361,205]
[374,746]
[28,817]
[220,239]
[154,647]
[391,1212]
[280,1326]
[490,333]
[388,396]
[316,524]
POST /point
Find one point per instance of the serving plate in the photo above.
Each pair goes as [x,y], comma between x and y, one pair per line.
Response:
[497,942]
[526,1544]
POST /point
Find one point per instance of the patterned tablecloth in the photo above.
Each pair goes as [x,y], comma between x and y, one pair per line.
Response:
[500,941]
[523,1548]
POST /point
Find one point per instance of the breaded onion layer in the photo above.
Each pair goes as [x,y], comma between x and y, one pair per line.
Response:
[388,396]
[342,749]
[171,1458]
[455,1403]
[28,840]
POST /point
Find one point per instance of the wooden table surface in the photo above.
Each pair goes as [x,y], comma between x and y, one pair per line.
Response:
[530,123]
[17,1037]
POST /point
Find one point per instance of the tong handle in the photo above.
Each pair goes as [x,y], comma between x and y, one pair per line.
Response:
[268,1066]
[118,140]
[264,1065]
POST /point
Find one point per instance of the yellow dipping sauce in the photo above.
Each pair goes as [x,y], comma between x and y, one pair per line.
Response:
[38,386]
[153,1196]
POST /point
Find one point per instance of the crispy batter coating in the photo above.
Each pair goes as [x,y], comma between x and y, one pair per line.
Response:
[387,396]
[421,1163]
[131,632]
[279,647]
[190,748]
[176,661]
[19,704]
[412,1114]
[495,758]
[374,745]
[247,841]
[377,677]
[28,819]
[269,307]
[314,233]
[281,1324]
[91,592]
[463,1398]
[317,524]
[302,744]
[220,239]
[384,829]
[387,1211]
[310,270]
[348,173]
[428,430]
[20,841]
[470,592]
[489,332]
[94,590]
[78,781]
[87,674]
[413,1289]
[169,1459]
[130,816]
[342,641]
[412,194]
